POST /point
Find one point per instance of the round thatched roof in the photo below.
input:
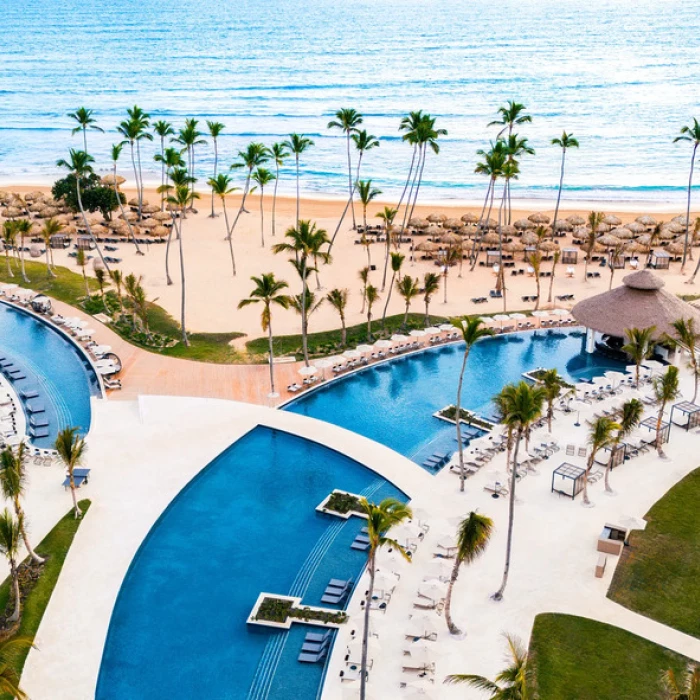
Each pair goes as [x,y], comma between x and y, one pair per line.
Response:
[539,218]
[639,302]
[469,218]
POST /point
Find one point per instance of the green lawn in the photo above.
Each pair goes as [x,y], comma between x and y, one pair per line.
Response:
[67,286]
[54,547]
[575,658]
[659,573]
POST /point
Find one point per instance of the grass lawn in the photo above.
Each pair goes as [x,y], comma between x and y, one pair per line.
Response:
[67,286]
[659,573]
[54,547]
[575,658]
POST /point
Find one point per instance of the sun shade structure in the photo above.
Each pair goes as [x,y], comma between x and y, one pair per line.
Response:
[650,424]
[639,302]
[567,479]
[689,414]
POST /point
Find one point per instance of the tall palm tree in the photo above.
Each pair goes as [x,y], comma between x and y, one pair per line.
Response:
[215,130]
[255,155]
[387,215]
[690,134]
[278,153]
[512,683]
[116,153]
[268,291]
[85,120]
[521,405]
[688,338]
[79,164]
[262,177]
[473,537]
[614,255]
[162,129]
[472,329]
[338,299]
[687,688]
[9,240]
[134,129]
[118,281]
[595,219]
[628,418]
[552,383]
[452,255]
[380,519]
[188,137]
[511,114]
[372,296]
[221,187]
[178,178]
[396,263]
[81,261]
[565,142]
[409,288]
[431,284]
[516,147]
[170,160]
[364,278]
[10,539]
[666,389]
[348,120]
[23,228]
[639,346]
[409,125]
[297,144]
[51,228]
[602,433]
[367,194]
[555,259]
[12,655]
[363,142]
[535,262]
[13,481]
[71,449]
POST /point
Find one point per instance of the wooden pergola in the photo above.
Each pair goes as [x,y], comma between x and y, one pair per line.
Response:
[690,414]
[568,480]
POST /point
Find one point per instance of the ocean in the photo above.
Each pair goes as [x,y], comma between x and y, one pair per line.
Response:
[622,75]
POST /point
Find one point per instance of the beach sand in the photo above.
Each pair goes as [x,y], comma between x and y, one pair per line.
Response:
[213,293]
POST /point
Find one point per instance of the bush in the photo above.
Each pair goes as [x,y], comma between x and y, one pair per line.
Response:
[279,609]
[465,417]
[343,503]
[95,196]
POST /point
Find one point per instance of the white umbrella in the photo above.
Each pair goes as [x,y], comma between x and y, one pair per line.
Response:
[336,359]
[405,531]
[653,365]
[421,657]
[383,344]
[432,330]
[486,319]
[352,354]
[355,648]
[583,387]
[560,312]
[7,286]
[446,327]
[105,363]
[518,316]
[432,591]
[307,371]
[540,313]
[399,338]
[87,331]
[447,542]
[501,317]
[364,348]
[323,363]
[384,581]
[102,349]
[614,376]
[107,370]
[418,333]
[439,567]
[421,626]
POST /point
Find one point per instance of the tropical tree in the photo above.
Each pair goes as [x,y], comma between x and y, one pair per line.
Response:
[85,120]
[9,239]
[255,155]
[22,227]
[552,383]
[363,142]
[338,299]
[372,296]
[71,450]
[409,288]
[178,178]
[12,655]
[81,261]
[565,142]
[51,228]
[215,129]
[431,284]
[687,688]
[162,129]
[367,194]
[535,262]
[472,330]
[689,134]
[639,346]
[628,418]
[100,276]
[364,278]
[10,539]
[665,390]
[380,519]
[396,263]
[140,305]
[278,153]
[510,115]
[268,291]
[118,281]
[13,482]
[262,177]
[116,153]
[188,137]
[520,405]
[131,285]
[221,187]
[555,259]
[512,683]
[595,219]
[170,160]
[134,129]
[347,120]
[297,144]
[473,537]
[602,434]
[387,215]
[452,255]
[687,338]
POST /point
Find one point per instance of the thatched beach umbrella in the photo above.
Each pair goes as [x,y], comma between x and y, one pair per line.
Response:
[160,231]
[450,238]
[539,218]
[612,220]
[150,209]
[417,222]
[491,238]
[11,212]
[467,231]
[433,230]
[529,238]
[514,247]
[603,228]
[109,180]
[436,218]
[149,223]
[491,223]
[36,207]
[427,247]
[576,220]
[680,220]
[133,202]
[636,247]
[608,240]
[667,234]
[549,246]
[524,224]
[644,239]
[675,248]
[674,227]
[469,218]
[562,225]
[48,212]
[635,227]
[454,224]
[623,233]
[162,216]
[508,230]
[646,220]
[129,216]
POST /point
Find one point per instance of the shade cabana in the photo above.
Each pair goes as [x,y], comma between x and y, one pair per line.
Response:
[493,257]
[569,256]
[687,414]
[650,424]
[568,480]
[659,260]
[619,452]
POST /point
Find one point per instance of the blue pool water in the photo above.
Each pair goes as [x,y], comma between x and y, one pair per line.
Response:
[246,524]
[53,366]
[393,403]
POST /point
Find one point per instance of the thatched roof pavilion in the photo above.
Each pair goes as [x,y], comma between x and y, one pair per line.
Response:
[639,302]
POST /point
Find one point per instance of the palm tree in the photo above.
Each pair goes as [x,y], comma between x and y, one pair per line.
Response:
[431,284]
[595,219]
[687,688]
[116,153]
[665,390]
[338,299]
[516,147]
[278,153]
[307,302]
[364,278]
[85,121]
[13,479]
[268,291]
[100,277]
[255,155]
[162,129]
[512,683]
[521,405]
[23,227]
[12,655]
[690,134]
[396,263]
[170,160]
[140,305]
[639,346]
[472,329]
[221,187]
[179,177]
[262,177]
[81,261]
[131,285]
[347,120]
[215,129]
[297,144]
[473,537]
[409,288]
[552,383]
[687,338]
[10,539]
[189,137]
[452,255]
[71,449]
[409,125]
[387,215]
[134,130]
[9,238]
[371,295]
[80,165]
[118,281]
[367,194]
[628,419]
[380,519]
[535,262]
[602,434]
[363,142]
[51,228]
[614,254]
[510,115]
[565,142]
[555,260]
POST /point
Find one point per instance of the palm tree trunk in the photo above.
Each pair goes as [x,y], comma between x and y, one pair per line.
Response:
[418,184]
[408,179]
[230,242]
[262,219]
[416,172]
[271,355]
[162,173]
[49,272]
[589,466]
[304,339]
[511,516]
[87,225]
[121,209]
[71,483]
[474,254]
[185,341]
[351,189]
[343,330]
[15,593]
[444,283]
[7,260]
[21,257]
[386,258]
[551,279]
[216,165]
[369,324]
[458,415]
[448,598]
[501,269]
[365,631]
[427,313]
[274,197]
[608,468]
[659,421]
[561,184]
[85,138]
[388,299]
[296,157]
[687,211]
[23,531]
[242,208]
[87,287]
[138,158]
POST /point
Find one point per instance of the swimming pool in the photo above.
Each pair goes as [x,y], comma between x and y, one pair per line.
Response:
[393,403]
[246,524]
[53,367]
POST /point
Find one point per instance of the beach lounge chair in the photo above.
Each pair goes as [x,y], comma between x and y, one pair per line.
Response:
[317,636]
[312,658]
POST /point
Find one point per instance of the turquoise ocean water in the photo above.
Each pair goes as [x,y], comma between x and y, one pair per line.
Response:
[622,75]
